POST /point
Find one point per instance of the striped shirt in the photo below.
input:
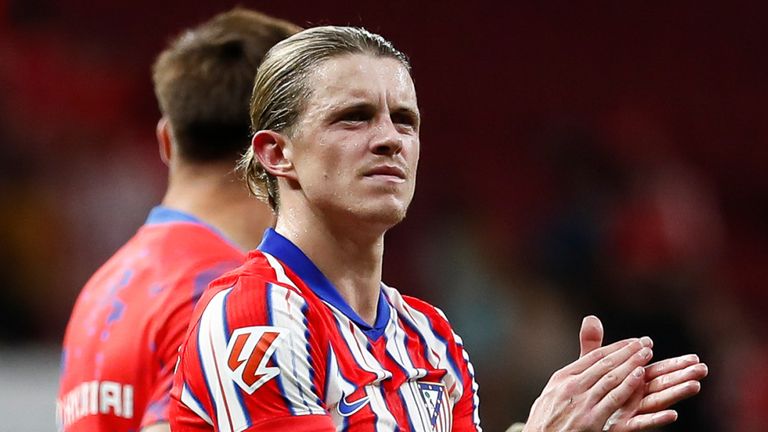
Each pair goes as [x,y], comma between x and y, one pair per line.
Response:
[275,347]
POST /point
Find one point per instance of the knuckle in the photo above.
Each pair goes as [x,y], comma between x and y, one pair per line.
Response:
[608,363]
[613,399]
[557,376]
[570,387]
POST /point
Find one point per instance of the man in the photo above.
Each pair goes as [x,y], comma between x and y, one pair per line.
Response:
[122,340]
[305,336]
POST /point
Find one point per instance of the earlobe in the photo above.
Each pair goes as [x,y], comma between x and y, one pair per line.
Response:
[270,149]
[163,134]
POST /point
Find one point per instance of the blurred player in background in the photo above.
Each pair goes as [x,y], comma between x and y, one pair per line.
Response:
[305,336]
[122,339]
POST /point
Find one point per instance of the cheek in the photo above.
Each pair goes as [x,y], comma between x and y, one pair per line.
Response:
[413,155]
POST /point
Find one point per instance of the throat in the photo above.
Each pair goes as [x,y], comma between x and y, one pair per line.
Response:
[363,300]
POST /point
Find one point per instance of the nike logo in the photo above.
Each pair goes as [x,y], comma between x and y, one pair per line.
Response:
[346,408]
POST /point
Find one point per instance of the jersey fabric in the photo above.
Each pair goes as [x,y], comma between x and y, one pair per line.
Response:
[274,347]
[122,340]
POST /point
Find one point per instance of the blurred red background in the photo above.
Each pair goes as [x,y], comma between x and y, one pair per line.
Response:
[607,158]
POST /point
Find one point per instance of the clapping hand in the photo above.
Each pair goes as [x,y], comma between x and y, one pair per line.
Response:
[614,388]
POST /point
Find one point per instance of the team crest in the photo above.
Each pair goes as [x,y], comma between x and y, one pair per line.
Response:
[248,354]
[438,408]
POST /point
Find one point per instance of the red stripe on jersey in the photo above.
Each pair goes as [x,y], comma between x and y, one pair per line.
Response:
[365,371]
[221,385]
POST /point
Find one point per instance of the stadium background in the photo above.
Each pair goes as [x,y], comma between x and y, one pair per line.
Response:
[604,158]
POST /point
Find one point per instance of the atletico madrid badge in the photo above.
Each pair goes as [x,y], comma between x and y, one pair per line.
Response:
[437,405]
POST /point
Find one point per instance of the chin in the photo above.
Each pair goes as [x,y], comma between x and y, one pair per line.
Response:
[382,214]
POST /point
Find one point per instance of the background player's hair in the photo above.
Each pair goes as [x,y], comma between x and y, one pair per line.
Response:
[203,82]
[281,89]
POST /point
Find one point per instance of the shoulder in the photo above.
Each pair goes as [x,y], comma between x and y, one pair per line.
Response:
[419,313]
[180,248]
[254,294]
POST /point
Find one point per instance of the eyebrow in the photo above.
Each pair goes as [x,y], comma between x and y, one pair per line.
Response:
[342,108]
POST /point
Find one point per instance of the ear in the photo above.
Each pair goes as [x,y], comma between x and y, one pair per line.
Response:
[163,134]
[270,148]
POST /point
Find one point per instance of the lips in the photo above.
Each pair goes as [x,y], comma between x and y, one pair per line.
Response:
[386,171]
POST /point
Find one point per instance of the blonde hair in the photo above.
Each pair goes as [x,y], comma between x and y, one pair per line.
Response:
[281,89]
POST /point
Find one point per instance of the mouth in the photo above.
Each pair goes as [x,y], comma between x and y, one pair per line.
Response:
[392,173]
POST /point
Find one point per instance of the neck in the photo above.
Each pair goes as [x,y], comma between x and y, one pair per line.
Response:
[351,263]
[214,195]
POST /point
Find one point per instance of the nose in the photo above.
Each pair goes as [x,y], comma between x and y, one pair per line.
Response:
[388,141]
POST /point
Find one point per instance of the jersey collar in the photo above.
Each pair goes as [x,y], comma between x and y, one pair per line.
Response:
[287,252]
[162,215]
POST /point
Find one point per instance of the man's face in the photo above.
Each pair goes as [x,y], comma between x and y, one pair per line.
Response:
[356,145]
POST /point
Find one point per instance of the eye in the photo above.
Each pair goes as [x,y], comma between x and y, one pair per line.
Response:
[355,116]
[405,118]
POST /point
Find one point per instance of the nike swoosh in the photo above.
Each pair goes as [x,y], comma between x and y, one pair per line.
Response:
[346,409]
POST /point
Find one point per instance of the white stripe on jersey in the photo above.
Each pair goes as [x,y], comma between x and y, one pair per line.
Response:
[286,310]
[212,343]
[357,342]
[336,387]
[396,347]
[471,370]
[475,387]
[423,326]
[417,412]
[194,405]
[279,270]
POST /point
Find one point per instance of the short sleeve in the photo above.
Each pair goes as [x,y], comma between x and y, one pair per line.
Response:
[253,363]
[465,413]
[466,416]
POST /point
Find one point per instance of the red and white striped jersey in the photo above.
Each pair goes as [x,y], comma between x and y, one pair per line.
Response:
[124,333]
[275,347]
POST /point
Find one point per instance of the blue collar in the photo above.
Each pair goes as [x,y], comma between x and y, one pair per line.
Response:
[287,252]
[161,215]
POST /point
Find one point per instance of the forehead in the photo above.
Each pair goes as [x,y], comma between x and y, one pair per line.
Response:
[362,76]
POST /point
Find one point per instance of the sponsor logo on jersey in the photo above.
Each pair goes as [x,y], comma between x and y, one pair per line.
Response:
[248,354]
[106,398]
[347,408]
[435,401]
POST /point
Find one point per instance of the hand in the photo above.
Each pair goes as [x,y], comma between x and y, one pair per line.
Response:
[583,395]
[666,383]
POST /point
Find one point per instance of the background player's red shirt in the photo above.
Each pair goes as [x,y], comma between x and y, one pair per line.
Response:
[274,347]
[121,343]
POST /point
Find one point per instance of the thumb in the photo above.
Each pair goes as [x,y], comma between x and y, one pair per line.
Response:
[590,335]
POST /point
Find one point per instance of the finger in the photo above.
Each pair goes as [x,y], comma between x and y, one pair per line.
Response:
[615,376]
[693,372]
[616,366]
[593,357]
[668,397]
[618,396]
[590,335]
[670,365]
[646,421]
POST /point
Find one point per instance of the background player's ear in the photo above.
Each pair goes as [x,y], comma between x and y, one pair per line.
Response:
[163,133]
[270,148]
